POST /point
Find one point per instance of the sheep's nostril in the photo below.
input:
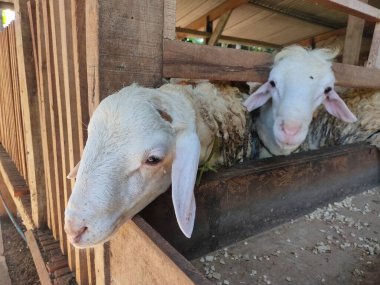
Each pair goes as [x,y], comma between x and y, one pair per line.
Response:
[291,128]
[73,232]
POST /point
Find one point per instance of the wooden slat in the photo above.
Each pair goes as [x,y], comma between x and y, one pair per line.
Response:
[71,102]
[215,13]
[136,258]
[62,122]
[56,218]
[37,258]
[194,61]
[219,28]
[12,178]
[353,40]
[22,203]
[169,18]
[30,111]
[374,54]
[45,110]
[185,60]
[353,7]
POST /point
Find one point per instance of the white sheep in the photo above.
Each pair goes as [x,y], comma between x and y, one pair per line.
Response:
[299,82]
[140,141]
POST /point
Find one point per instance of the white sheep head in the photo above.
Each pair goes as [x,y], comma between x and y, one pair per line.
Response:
[139,142]
[299,82]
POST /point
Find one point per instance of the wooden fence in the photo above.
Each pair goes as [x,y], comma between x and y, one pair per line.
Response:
[58,40]
[74,53]
[11,119]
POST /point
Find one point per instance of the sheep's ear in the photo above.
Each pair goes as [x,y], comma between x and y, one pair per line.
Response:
[184,173]
[258,98]
[336,107]
[73,172]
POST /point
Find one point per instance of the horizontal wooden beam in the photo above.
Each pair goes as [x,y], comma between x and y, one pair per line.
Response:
[252,197]
[192,61]
[6,5]
[186,60]
[37,258]
[183,32]
[215,13]
[15,183]
[353,7]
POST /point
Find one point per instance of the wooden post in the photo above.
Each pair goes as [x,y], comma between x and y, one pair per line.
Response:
[374,54]
[117,57]
[30,111]
[353,40]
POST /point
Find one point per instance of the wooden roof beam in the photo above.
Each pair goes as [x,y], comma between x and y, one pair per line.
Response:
[353,7]
[219,28]
[215,13]
[183,33]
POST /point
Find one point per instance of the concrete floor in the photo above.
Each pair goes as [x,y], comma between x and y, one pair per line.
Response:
[338,244]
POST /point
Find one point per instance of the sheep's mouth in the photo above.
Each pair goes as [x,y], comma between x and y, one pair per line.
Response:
[90,239]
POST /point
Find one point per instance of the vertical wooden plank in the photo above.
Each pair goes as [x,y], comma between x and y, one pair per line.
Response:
[55,205]
[30,113]
[66,22]
[78,16]
[61,108]
[374,53]
[31,6]
[46,130]
[169,19]
[124,45]
[353,39]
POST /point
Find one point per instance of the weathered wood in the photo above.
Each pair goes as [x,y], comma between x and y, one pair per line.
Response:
[353,40]
[374,54]
[219,28]
[185,60]
[118,57]
[353,7]
[30,111]
[62,121]
[13,180]
[215,13]
[180,261]
[56,215]
[183,32]
[8,200]
[246,199]
[37,258]
[136,259]
[169,18]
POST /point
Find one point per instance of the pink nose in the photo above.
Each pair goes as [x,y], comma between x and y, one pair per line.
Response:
[291,128]
[74,231]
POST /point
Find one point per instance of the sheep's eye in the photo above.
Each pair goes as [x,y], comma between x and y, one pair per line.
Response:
[272,83]
[153,160]
[327,90]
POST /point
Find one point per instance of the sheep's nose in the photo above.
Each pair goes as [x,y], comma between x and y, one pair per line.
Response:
[74,230]
[291,128]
